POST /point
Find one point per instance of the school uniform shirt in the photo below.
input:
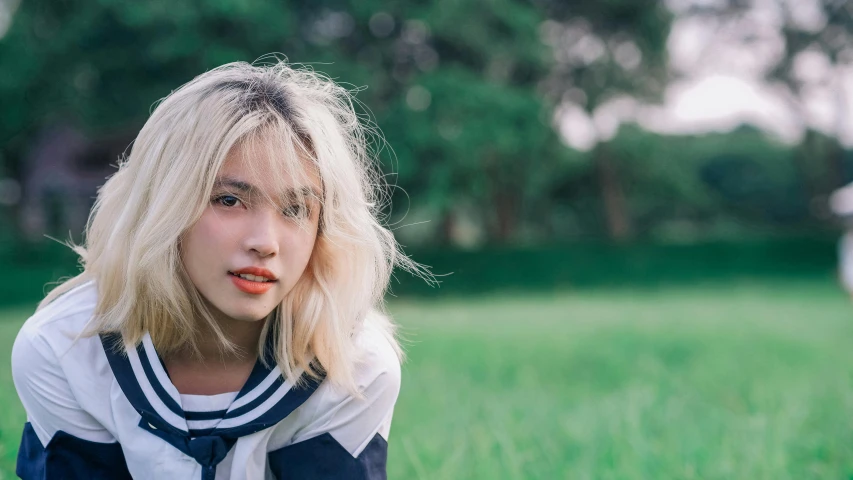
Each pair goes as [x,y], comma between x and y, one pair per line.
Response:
[93,413]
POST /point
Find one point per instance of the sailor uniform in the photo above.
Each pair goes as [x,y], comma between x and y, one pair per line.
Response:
[95,413]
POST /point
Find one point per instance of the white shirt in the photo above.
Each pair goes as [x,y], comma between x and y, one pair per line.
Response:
[87,406]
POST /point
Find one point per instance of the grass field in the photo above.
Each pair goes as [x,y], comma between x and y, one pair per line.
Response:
[738,381]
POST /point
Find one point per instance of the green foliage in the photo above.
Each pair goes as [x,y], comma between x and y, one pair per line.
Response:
[815,54]
[711,181]
[465,92]
[609,48]
[595,265]
[32,270]
[453,84]
[473,155]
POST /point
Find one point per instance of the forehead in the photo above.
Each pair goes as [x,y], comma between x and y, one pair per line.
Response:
[269,166]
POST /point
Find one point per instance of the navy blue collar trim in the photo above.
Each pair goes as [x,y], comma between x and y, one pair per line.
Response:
[295,397]
[123,372]
[261,369]
[155,383]
[211,415]
[162,413]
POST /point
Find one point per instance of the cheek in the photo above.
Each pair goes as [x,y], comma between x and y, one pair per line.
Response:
[202,242]
[310,241]
[302,246]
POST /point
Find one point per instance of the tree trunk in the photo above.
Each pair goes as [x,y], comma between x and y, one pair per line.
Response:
[505,206]
[613,196]
[803,156]
[448,224]
[503,186]
[835,177]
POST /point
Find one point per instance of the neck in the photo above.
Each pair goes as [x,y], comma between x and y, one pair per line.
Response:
[210,371]
[245,335]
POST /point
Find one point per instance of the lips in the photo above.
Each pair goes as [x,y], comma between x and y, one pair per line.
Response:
[257,271]
[261,280]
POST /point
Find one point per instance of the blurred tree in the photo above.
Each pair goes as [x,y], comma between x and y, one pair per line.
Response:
[816,48]
[604,51]
[464,91]
[451,83]
[484,135]
[824,45]
[715,185]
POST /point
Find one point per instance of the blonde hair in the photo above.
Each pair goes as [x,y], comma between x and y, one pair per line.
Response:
[132,241]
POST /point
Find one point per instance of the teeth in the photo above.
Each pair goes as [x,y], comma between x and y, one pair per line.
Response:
[253,278]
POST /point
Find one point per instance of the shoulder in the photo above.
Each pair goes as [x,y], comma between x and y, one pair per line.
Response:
[60,322]
[353,420]
[379,356]
[376,374]
[59,374]
[53,334]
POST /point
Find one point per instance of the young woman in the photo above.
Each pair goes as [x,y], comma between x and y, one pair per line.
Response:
[227,323]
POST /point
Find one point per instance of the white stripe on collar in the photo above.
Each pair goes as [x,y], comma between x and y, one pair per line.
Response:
[258,390]
[207,403]
[159,372]
[203,424]
[150,395]
[144,380]
[257,411]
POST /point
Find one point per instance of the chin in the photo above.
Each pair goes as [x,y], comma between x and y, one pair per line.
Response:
[251,316]
[243,311]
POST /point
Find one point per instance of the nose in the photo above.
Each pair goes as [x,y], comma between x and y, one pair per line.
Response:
[261,233]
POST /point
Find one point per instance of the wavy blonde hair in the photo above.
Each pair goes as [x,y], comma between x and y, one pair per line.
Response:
[132,242]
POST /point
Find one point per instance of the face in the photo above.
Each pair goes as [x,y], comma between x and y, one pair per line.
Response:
[254,239]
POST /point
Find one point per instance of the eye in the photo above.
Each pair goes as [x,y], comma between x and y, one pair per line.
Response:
[227,200]
[296,210]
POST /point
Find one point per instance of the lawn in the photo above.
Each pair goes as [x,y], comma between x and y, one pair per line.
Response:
[743,381]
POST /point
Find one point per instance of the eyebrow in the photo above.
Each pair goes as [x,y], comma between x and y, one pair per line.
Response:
[248,188]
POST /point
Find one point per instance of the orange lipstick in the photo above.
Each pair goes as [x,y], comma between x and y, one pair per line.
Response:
[253,287]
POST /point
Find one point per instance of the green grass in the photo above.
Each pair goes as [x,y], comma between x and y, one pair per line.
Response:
[12,416]
[738,381]
[743,381]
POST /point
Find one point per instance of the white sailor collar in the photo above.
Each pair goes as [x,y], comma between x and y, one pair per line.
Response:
[265,399]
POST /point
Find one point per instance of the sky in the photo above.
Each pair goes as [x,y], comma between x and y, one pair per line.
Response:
[720,82]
